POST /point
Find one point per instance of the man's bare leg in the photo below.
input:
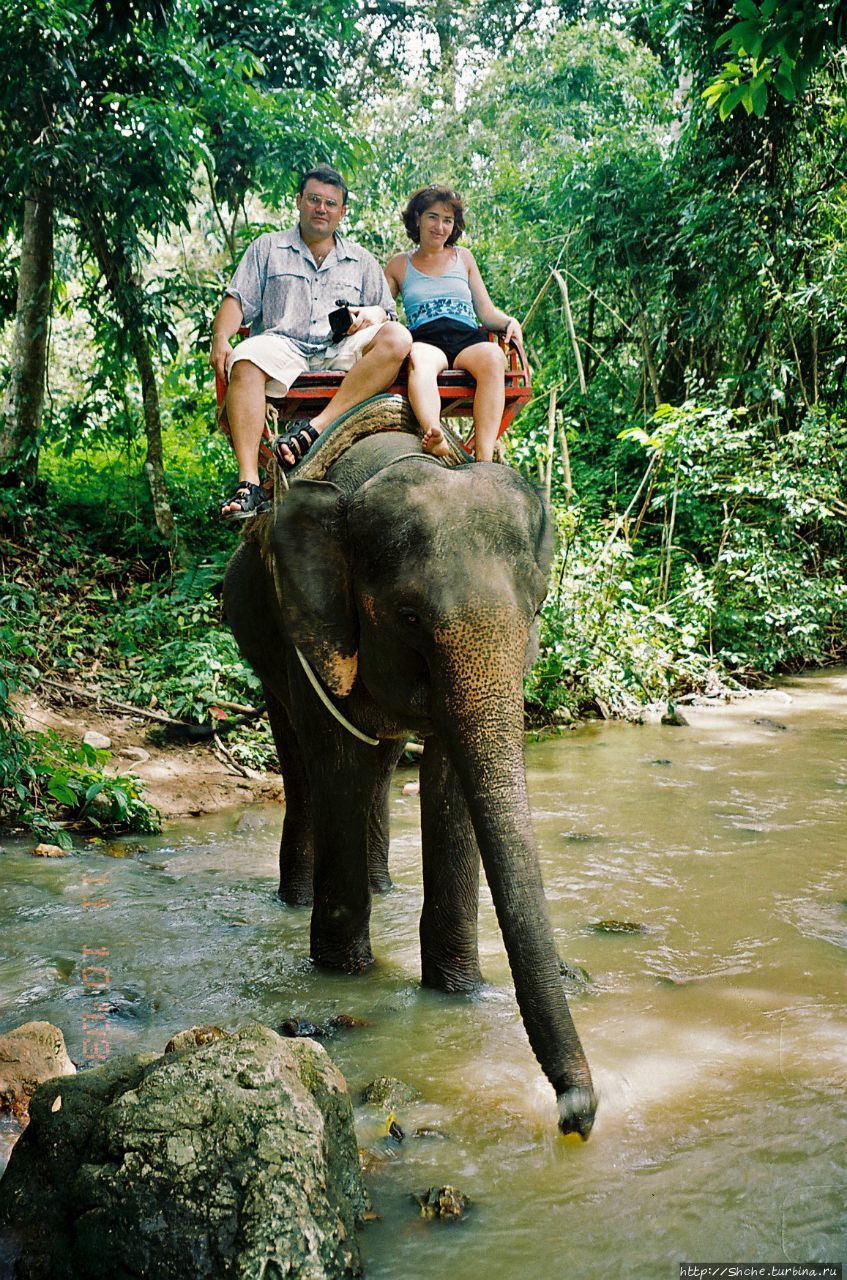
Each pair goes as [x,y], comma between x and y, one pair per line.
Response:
[376,370]
[245,411]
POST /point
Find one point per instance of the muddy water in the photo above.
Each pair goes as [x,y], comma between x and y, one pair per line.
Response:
[717,1033]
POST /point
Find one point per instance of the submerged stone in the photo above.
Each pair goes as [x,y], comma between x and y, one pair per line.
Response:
[346,1022]
[447,1203]
[385,1091]
[577,979]
[235,1160]
[50,851]
[301,1028]
[617,926]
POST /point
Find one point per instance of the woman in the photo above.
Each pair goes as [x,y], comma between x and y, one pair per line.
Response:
[443,296]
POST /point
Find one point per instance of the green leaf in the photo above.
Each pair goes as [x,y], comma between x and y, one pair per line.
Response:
[94,790]
[744,35]
[784,85]
[63,794]
[732,100]
[759,98]
[747,9]
[120,803]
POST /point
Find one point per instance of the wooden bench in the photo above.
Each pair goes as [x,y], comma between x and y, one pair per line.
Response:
[312,392]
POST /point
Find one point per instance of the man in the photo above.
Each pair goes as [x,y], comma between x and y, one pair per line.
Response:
[284,289]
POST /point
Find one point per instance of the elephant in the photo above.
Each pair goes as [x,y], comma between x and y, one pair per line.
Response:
[405,591]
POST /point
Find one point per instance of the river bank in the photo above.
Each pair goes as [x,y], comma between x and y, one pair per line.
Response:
[188,780]
[180,780]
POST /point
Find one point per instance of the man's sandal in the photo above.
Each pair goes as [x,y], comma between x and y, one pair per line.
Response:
[299,441]
[251,500]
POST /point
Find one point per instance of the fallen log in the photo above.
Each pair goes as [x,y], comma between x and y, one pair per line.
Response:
[174,729]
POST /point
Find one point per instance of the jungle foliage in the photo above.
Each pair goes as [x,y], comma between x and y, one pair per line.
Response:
[656,189]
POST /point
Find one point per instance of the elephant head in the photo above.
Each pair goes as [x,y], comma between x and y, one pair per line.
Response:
[415,593]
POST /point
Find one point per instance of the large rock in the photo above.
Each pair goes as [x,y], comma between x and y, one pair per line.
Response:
[29,1055]
[235,1158]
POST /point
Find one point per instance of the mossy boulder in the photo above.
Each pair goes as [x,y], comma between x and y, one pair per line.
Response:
[235,1159]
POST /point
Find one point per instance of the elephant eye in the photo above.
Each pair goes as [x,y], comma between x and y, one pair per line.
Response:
[410,618]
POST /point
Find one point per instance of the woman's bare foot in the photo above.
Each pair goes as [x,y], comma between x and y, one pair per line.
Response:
[435,442]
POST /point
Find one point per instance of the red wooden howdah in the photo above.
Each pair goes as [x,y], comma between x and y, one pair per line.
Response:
[311,392]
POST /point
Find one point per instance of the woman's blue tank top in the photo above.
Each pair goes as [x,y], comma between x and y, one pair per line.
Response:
[446,297]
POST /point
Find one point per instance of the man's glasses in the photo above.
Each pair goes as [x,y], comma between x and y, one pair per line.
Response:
[317,201]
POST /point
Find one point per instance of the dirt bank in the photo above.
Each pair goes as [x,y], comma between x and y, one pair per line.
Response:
[180,780]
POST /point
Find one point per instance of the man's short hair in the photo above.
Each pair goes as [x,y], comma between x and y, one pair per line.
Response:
[424,199]
[328,176]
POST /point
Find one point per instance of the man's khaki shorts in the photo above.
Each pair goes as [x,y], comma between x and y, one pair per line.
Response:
[281,360]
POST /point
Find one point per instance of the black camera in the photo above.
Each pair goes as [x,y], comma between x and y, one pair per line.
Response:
[340,320]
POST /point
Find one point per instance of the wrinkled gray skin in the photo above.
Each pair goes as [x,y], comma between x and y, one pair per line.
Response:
[412,589]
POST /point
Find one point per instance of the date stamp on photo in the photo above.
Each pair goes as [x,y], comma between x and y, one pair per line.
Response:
[96,978]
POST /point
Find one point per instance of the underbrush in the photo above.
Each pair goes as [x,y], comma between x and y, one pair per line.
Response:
[729,562]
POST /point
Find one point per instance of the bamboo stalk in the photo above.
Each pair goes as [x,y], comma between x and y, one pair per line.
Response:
[592,293]
[536,302]
[566,302]
[566,461]
[669,544]
[551,436]
[648,357]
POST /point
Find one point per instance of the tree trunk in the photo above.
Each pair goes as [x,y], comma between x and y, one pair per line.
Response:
[154,465]
[24,399]
[125,293]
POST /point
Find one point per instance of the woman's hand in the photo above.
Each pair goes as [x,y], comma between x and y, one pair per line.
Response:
[512,332]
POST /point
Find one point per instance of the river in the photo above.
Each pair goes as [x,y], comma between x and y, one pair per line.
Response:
[716,1033]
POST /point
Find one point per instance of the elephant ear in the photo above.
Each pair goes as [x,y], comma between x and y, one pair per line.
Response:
[543,532]
[310,547]
[541,540]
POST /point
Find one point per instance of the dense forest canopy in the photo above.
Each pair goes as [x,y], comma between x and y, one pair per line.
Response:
[656,188]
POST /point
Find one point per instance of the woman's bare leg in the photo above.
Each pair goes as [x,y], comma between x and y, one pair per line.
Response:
[486,362]
[425,364]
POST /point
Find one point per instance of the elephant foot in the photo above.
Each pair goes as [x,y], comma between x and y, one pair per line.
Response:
[339,938]
[452,979]
[295,895]
[577,1107]
[357,962]
[380,882]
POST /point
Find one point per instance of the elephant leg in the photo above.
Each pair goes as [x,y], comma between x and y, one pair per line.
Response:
[378,874]
[295,850]
[347,776]
[448,928]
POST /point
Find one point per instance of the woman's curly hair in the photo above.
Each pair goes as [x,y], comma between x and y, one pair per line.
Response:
[424,199]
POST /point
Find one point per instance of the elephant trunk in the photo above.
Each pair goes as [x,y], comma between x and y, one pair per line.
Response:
[482,726]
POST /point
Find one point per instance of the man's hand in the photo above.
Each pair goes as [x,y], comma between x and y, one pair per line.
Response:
[219,354]
[364,317]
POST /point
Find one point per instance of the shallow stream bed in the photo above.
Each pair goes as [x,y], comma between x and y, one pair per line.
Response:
[717,1033]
